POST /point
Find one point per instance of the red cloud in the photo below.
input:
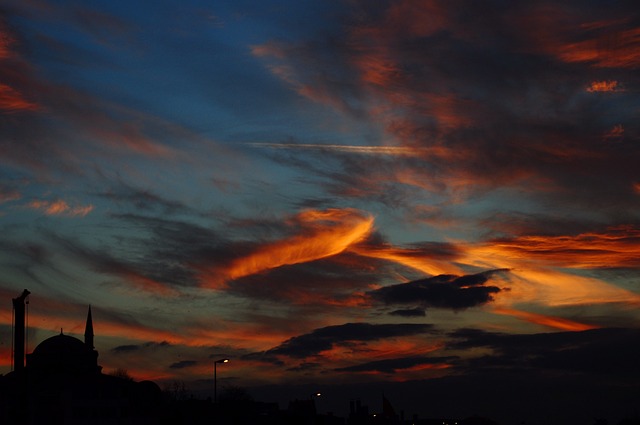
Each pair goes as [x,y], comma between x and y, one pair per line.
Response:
[12,101]
[545,320]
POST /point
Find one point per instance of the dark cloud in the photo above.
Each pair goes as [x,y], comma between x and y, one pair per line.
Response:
[606,351]
[443,291]
[319,283]
[508,223]
[168,253]
[304,367]
[339,279]
[183,364]
[325,338]
[143,200]
[137,347]
[263,357]
[392,365]
[9,193]
[142,274]
[125,348]
[412,312]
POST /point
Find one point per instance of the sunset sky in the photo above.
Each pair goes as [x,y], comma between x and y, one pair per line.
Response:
[410,196]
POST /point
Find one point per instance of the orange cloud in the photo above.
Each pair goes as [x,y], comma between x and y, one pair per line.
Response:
[544,320]
[52,315]
[556,29]
[613,49]
[144,283]
[259,336]
[60,207]
[321,234]
[356,352]
[604,86]
[541,267]
[619,247]
[414,258]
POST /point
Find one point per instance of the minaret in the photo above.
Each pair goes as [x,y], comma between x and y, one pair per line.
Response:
[88,331]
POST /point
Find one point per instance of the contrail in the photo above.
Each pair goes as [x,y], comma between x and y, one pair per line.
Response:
[367,150]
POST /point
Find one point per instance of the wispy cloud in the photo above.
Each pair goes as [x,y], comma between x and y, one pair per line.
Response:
[7,194]
[11,101]
[60,207]
[320,234]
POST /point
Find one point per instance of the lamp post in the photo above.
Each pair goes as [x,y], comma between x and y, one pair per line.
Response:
[313,396]
[215,378]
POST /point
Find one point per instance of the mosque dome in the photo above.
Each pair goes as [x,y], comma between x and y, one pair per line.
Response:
[60,345]
[63,353]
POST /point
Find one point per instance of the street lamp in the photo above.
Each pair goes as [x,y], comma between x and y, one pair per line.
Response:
[215,378]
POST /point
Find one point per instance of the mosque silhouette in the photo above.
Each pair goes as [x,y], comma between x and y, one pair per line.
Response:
[62,383]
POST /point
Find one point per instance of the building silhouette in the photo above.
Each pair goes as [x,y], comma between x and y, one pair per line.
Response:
[62,384]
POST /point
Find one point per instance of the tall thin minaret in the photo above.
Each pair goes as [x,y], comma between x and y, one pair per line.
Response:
[88,331]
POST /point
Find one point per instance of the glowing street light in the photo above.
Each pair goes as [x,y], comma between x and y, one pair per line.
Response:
[215,378]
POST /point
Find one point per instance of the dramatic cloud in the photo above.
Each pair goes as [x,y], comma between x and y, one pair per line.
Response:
[281,189]
[618,247]
[321,234]
[443,291]
[393,365]
[324,339]
[546,320]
